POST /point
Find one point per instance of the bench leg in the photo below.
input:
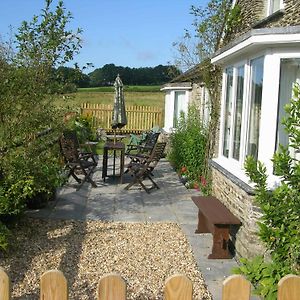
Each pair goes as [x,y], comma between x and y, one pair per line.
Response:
[202,225]
[220,242]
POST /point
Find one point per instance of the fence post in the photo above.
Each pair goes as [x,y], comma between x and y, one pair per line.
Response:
[236,287]
[178,287]
[4,286]
[111,287]
[53,286]
[289,288]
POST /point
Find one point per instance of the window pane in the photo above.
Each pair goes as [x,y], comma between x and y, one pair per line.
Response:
[289,74]
[257,70]
[238,113]
[227,117]
[274,6]
[179,102]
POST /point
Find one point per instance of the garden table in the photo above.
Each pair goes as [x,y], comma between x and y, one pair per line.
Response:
[113,146]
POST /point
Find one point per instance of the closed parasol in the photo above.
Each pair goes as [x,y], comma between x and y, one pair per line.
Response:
[119,118]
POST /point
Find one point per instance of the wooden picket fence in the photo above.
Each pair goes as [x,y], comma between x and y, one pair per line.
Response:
[54,286]
[139,118]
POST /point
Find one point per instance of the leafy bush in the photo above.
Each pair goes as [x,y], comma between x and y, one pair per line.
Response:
[83,127]
[188,148]
[29,163]
[279,227]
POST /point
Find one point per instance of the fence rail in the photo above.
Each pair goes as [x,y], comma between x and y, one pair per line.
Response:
[54,286]
[139,118]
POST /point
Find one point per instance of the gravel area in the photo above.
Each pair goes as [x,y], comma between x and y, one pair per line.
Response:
[144,254]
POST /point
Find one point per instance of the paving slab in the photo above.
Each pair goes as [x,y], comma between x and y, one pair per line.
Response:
[109,201]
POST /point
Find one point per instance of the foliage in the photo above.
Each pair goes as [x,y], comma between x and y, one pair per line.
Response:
[188,146]
[132,76]
[45,41]
[209,24]
[29,121]
[279,227]
[82,125]
[4,235]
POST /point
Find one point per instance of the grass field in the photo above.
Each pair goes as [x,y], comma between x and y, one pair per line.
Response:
[134,95]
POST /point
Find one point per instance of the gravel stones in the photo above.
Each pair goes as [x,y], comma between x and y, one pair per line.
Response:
[144,254]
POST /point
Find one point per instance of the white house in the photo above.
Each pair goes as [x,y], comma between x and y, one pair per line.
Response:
[183,90]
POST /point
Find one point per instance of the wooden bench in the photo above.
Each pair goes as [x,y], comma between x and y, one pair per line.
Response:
[214,217]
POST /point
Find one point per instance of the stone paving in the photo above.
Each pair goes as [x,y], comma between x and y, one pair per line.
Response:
[172,202]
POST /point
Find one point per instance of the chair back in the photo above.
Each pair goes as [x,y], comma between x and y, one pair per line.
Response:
[156,154]
[69,146]
[151,139]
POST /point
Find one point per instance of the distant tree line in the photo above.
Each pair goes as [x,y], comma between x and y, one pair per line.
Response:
[69,79]
[133,76]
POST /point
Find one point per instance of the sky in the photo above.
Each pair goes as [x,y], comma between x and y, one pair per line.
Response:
[128,33]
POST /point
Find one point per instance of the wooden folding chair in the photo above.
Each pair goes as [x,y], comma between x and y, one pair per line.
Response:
[77,162]
[145,146]
[142,169]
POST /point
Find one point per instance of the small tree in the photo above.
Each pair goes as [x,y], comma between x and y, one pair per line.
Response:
[279,227]
[30,165]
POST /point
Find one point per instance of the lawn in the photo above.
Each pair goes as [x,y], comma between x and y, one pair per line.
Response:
[134,95]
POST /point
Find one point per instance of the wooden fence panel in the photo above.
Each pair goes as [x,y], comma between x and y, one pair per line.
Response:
[4,286]
[139,118]
[236,287]
[112,287]
[54,286]
[178,287]
[289,288]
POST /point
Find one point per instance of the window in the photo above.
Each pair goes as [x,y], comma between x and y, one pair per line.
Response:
[257,68]
[233,111]
[238,113]
[289,75]
[273,6]
[179,106]
[228,107]
[241,131]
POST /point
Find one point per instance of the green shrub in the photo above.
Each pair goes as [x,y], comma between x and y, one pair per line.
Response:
[188,149]
[279,227]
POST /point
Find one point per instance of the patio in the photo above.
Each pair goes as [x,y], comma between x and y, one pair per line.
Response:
[171,203]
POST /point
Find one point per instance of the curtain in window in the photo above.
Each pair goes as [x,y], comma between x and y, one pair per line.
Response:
[257,69]
[228,107]
[238,113]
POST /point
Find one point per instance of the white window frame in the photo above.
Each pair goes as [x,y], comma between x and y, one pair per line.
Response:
[270,7]
[169,105]
[236,165]
[268,124]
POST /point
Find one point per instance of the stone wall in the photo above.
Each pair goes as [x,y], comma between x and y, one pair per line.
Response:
[241,204]
[254,15]
[290,16]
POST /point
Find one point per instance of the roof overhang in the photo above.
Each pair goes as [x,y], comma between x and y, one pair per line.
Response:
[256,40]
[177,86]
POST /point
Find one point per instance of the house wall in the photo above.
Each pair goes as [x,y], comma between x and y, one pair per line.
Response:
[253,12]
[200,98]
[225,186]
[241,204]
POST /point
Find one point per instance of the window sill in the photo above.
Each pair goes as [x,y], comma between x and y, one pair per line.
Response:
[263,22]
